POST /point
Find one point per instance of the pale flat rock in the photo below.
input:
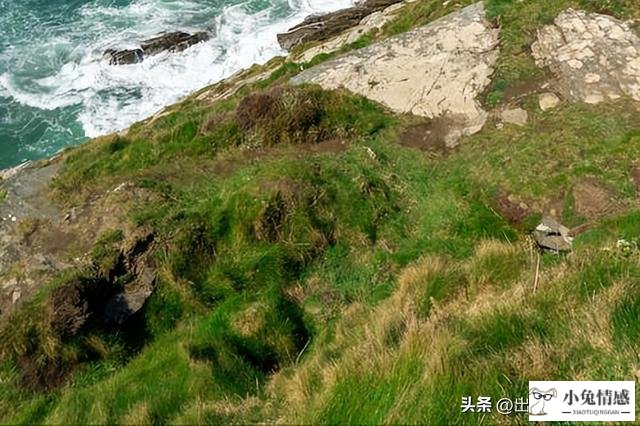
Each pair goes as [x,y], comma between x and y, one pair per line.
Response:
[595,57]
[434,71]
[548,101]
[516,116]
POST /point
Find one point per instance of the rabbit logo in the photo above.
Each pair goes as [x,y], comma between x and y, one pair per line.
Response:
[538,398]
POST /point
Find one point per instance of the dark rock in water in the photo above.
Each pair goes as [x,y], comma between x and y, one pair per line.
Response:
[173,42]
[168,42]
[124,57]
[553,237]
[323,27]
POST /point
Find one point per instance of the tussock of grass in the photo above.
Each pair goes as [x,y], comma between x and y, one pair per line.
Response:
[295,115]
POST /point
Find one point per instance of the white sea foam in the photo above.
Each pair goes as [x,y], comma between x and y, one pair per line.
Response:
[114,97]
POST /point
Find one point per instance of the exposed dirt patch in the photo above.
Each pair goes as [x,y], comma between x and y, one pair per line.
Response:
[593,200]
[523,89]
[517,210]
[513,210]
[70,308]
[553,207]
[329,146]
[581,229]
[429,136]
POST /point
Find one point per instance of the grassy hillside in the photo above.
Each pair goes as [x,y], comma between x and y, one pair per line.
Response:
[314,267]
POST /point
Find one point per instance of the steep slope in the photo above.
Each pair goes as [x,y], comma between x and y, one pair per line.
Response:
[314,256]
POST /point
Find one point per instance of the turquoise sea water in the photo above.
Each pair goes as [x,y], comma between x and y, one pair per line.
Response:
[56,90]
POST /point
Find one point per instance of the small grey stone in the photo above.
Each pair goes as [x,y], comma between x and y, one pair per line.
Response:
[552,236]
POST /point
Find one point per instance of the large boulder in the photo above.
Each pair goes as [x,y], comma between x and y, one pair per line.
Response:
[594,57]
[323,27]
[436,71]
[168,42]
[173,42]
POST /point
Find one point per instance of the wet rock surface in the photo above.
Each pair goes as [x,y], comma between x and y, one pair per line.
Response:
[434,71]
[168,42]
[594,57]
[173,42]
[124,57]
[324,27]
[371,23]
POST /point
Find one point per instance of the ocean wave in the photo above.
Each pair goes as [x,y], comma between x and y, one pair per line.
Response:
[114,97]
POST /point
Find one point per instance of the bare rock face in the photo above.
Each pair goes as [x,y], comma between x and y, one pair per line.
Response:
[169,42]
[121,306]
[23,208]
[595,57]
[435,71]
[323,27]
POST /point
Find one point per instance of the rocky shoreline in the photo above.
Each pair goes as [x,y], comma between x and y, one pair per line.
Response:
[171,42]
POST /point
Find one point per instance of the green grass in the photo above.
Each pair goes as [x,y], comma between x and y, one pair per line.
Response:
[625,319]
[311,269]
[420,13]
